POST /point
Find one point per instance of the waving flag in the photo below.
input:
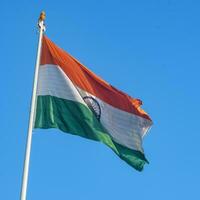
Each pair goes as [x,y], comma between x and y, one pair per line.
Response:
[73,99]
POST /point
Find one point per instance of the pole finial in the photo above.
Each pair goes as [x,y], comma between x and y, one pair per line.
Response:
[41,20]
[42,16]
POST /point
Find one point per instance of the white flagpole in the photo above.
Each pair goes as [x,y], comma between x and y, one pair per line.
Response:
[32,111]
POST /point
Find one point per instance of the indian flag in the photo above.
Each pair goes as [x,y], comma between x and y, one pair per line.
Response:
[73,99]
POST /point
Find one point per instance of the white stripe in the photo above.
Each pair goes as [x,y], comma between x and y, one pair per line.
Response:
[53,81]
[125,128]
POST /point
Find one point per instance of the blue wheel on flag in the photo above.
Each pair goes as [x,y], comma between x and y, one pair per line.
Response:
[93,105]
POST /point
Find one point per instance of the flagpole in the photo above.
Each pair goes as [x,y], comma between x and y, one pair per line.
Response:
[41,27]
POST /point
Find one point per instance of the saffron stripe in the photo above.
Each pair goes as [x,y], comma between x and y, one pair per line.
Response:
[87,80]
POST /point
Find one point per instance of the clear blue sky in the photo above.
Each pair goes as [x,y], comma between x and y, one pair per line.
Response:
[149,49]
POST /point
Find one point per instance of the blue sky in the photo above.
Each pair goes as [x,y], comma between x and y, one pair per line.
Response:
[149,49]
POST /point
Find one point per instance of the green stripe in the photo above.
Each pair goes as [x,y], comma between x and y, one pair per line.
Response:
[75,118]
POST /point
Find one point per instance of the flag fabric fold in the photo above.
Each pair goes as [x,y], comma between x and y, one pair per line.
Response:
[73,99]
